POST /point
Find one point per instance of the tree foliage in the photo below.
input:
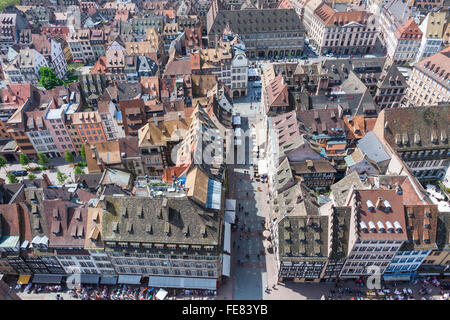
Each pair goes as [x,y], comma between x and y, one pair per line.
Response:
[3,162]
[48,78]
[69,156]
[43,159]
[78,170]
[61,177]
[23,158]
[12,178]
[83,152]
[31,176]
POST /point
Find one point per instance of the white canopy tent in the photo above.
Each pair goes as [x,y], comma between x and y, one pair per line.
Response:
[162,294]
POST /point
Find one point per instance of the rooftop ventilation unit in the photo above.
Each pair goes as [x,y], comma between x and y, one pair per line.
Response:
[370,205]
[372,226]
[398,227]
[387,206]
[389,226]
[381,227]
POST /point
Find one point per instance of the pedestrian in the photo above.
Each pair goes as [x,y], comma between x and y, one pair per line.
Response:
[239,247]
[258,256]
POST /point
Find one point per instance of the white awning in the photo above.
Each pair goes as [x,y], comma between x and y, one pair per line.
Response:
[226,265]
[227,238]
[237,132]
[262,167]
[230,216]
[180,282]
[237,120]
[128,279]
[230,204]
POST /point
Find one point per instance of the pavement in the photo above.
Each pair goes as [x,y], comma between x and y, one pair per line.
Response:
[59,163]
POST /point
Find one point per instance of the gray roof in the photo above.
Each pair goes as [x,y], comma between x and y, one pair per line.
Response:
[176,220]
[340,189]
[371,146]
[255,21]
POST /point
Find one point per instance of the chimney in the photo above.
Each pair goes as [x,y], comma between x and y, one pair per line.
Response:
[155,119]
[379,203]
[309,164]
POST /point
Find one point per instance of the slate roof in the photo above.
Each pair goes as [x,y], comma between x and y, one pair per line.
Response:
[417,128]
[165,221]
[254,21]
[341,189]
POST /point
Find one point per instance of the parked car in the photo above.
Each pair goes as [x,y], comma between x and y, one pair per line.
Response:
[304,57]
[330,55]
[19,173]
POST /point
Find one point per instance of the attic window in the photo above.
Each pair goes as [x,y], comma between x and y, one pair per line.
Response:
[125,213]
[203,231]
[186,230]
[115,227]
[130,227]
[167,229]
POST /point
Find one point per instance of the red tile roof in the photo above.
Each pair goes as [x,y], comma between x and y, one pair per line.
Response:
[396,214]
[171,172]
[408,30]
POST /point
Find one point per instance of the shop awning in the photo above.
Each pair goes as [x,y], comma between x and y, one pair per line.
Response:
[396,277]
[180,282]
[89,278]
[127,279]
[23,279]
[230,204]
[227,238]
[429,274]
[108,280]
[47,278]
[226,265]
[230,216]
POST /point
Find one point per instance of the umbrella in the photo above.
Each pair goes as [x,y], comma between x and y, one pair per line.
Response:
[266,233]
[267,244]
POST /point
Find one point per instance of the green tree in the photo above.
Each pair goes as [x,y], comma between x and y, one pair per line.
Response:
[83,152]
[48,78]
[3,162]
[61,177]
[12,178]
[31,176]
[68,156]
[43,159]
[23,158]
[78,170]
